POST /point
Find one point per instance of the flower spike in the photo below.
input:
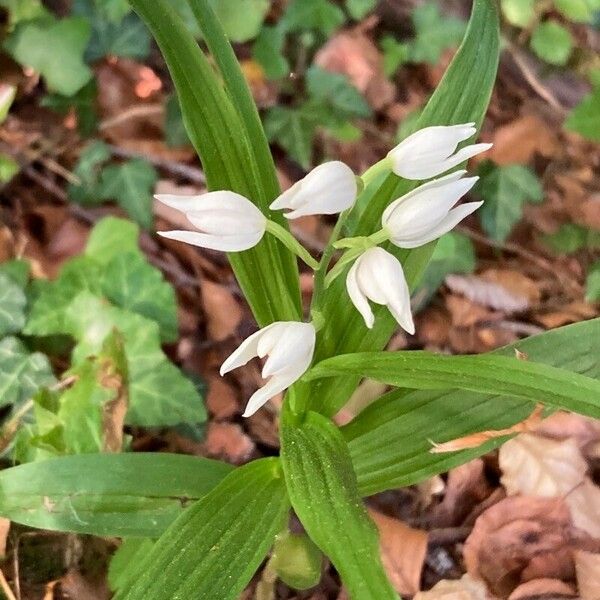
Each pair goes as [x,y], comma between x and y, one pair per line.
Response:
[328,189]
[289,346]
[432,151]
[426,213]
[226,221]
[378,276]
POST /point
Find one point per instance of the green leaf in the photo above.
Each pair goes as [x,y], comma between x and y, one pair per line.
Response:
[87,170]
[324,494]
[159,394]
[484,373]
[84,104]
[335,90]
[113,10]
[17,270]
[241,20]
[434,33]
[215,547]
[461,97]
[7,95]
[293,129]
[225,129]
[592,283]
[577,10]
[454,253]
[117,495]
[296,560]
[12,306]
[21,373]
[23,10]
[552,43]
[110,238]
[131,185]
[132,283]
[505,190]
[8,168]
[395,53]
[126,560]
[585,117]
[268,52]
[390,441]
[360,8]
[321,15]
[571,238]
[518,12]
[54,49]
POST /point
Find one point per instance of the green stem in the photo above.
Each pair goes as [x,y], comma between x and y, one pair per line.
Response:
[291,243]
[384,165]
[339,267]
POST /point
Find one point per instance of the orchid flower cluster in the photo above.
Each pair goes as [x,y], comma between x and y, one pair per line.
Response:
[227,221]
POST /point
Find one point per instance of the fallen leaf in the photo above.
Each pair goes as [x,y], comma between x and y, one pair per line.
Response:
[509,536]
[223,313]
[477,439]
[221,399]
[466,313]
[587,567]
[4,528]
[514,282]
[570,313]
[543,588]
[584,504]
[403,551]
[520,139]
[228,441]
[353,54]
[584,431]
[537,466]
[465,588]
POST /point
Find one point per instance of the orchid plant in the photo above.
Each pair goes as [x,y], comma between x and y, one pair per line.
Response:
[210,526]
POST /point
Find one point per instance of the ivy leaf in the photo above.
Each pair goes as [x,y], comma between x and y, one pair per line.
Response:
[293,129]
[12,306]
[241,20]
[84,104]
[505,189]
[111,237]
[21,373]
[518,12]
[585,117]
[577,10]
[592,283]
[159,394]
[394,54]
[434,33]
[113,10]
[130,184]
[571,238]
[359,8]
[17,270]
[267,52]
[321,15]
[88,169]
[552,42]
[54,49]
[132,283]
[23,10]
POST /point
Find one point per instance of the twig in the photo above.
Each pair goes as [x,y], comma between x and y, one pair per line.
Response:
[448,535]
[6,588]
[134,112]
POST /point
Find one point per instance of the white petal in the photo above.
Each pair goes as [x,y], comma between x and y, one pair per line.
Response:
[222,221]
[454,217]
[225,243]
[222,199]
[262,395]
[246,351]
[358,298]
[295,343]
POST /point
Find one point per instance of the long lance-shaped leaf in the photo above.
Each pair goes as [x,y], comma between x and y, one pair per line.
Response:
[322,487]
[462,96]
[390,441]
[119,495]
[212,550]
[267,273]
[484,373]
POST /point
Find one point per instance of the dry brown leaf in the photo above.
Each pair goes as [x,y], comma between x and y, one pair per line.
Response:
[221,399]
[223,313]
[477,439]
[403,552]
[584,504]
[570,313]
[520,139]
[465,588]
[466,313]
[533,465]
[354,54]
[113,412]
[587,567]
[228,441]
[487,293]
[515,534]
[514,282]
[543,588]
[584,431]
[4,528]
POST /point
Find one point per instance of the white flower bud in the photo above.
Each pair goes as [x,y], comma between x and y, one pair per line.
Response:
[328,189]
[430,151]
[289,346]
[426,213]
[378,276]
[225,220]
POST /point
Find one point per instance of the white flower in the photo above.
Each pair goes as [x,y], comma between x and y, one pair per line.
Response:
[378,276]
[226,221]
[426,213]
[289,346]
[430,151]
[328,189]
